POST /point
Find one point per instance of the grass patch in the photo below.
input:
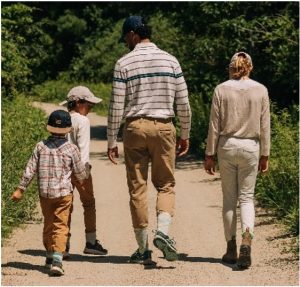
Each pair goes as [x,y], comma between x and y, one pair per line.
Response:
[22,127]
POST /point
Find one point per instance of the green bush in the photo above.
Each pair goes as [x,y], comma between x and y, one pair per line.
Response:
[56,91]
[279,189]
[22,127]
[200,120]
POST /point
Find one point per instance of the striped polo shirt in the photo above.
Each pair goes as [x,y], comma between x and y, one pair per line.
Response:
[147,82]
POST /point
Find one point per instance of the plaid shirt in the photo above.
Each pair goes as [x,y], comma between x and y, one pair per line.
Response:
[54,160]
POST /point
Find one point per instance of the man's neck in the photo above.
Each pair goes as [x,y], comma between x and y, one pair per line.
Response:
[145,41]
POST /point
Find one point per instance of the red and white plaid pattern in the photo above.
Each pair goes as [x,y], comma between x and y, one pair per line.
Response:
[53,160]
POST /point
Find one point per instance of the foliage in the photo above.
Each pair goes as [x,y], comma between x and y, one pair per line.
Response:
[22,127]
[279,189]
[24,49]
[98,57]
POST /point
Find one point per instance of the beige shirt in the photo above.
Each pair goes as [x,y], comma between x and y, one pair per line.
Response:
[240,109]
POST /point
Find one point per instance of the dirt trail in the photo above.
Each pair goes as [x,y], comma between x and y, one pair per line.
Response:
[197,229]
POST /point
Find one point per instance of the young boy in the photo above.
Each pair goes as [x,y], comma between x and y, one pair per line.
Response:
[79,102]
[54,160]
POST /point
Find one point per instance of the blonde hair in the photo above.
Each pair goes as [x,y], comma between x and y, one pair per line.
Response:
[240,65]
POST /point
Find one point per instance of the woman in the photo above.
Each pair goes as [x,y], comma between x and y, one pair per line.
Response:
[239,132]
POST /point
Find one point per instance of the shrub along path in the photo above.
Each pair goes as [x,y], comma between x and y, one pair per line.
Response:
[197,228]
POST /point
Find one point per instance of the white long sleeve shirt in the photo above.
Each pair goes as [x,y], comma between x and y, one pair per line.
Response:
[80,135]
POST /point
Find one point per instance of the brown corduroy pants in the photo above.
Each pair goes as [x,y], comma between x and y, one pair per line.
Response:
[149,140]
[56,213]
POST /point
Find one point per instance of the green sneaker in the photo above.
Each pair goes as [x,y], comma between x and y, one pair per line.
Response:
[166,245]
[144,258]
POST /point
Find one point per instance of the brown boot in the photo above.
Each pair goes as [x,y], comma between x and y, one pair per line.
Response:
[231,253]
[244,260]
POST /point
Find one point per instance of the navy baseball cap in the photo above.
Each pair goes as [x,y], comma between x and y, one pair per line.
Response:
[59,122]
[132,23]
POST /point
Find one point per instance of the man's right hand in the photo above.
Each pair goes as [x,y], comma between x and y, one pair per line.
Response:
[113,153]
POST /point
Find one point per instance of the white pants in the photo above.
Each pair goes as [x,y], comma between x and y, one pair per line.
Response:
[238,161]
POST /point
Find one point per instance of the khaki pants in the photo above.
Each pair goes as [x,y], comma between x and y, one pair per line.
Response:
[86,194]
[149,140]
[56,212]
[238,161]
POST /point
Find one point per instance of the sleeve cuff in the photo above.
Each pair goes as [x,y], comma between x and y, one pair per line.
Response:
[111,143]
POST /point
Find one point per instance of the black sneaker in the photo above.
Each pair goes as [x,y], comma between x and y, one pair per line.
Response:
[144,258]
[48,263]
[166,245]
[95,249]
[56,269]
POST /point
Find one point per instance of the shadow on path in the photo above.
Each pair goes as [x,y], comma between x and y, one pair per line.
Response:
[188,162]
[26,266]
[82,258]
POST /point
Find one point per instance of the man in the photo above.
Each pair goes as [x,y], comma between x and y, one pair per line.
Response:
[148,80]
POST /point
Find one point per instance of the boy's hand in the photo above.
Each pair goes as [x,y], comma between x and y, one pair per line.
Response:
[17,195]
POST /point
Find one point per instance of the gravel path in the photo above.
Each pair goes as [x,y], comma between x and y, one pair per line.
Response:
[197,229]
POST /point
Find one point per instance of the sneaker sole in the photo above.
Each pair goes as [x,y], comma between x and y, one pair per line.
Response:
[93,252]
[56,272]
[169,253]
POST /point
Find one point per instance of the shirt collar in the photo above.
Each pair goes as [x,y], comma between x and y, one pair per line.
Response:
[145,45]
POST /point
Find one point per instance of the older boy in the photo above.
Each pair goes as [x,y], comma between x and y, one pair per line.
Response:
[79,101]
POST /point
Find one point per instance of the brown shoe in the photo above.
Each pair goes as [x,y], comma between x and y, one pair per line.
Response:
[231,253]
[244,260]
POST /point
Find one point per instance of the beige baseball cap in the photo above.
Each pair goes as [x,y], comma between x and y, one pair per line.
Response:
[81,93]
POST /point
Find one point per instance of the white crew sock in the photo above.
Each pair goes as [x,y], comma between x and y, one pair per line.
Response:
[91,237]
[163,222]
[141,236]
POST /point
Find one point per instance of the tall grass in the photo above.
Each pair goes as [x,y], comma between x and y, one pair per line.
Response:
[22,127]
[279,189]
